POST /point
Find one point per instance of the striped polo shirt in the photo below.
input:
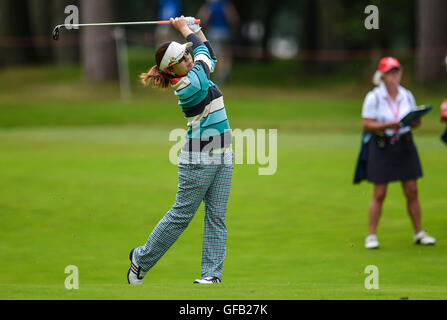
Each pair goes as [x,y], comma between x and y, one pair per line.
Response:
[202,102]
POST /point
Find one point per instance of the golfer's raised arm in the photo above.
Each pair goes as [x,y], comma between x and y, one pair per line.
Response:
[204,56]
[210,49]
[181,26]
[205,41]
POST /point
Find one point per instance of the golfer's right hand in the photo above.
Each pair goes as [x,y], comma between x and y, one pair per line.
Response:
[179,23]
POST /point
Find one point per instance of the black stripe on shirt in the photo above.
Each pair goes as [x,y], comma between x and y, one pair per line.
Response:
[210,49]
[212,143]
[205,68]
[213,93]
[196,42]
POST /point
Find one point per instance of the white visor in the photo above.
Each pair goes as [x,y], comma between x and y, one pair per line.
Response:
[173,54]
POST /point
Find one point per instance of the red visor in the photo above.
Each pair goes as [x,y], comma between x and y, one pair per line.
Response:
[388,63]
[444,111]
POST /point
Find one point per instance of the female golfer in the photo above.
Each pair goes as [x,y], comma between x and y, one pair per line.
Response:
[206,160]
[392,154]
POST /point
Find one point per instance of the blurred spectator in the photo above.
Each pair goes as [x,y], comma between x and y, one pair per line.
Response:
[391,151]
[168,9]
[220,19]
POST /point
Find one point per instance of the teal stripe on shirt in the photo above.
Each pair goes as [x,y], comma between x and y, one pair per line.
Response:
[215,120]
[215,117]
[193,94]
[216,129]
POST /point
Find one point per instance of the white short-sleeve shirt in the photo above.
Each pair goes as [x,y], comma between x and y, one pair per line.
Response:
[378,105]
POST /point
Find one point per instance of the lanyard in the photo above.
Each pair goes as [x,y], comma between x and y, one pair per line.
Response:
[395,112]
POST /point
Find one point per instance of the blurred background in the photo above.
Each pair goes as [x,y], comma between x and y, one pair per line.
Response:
[313,48]
[317,37]
[301,45]
[84,170]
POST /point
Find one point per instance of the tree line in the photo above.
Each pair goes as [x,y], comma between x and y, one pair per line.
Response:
[418,26]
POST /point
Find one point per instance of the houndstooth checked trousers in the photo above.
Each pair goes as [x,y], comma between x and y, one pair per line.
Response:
[201,178]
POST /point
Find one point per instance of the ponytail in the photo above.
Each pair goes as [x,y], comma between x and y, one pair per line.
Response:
[158,78]
[377,78]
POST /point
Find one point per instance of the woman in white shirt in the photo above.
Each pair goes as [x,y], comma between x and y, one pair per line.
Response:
[392,154]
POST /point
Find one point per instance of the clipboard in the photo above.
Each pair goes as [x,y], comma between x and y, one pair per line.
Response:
[415,115]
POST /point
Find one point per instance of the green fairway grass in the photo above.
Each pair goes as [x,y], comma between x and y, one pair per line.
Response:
[84,178]
[87,196]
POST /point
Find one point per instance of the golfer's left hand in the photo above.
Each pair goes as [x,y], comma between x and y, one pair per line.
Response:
[191,24]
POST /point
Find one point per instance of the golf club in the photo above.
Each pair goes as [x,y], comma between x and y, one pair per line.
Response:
[56,31]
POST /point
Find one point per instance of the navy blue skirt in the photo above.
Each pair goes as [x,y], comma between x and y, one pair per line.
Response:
[390,161]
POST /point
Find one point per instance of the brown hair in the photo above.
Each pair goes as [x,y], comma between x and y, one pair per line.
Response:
[158,78]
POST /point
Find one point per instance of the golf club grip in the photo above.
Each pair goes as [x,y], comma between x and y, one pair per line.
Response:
[197,21]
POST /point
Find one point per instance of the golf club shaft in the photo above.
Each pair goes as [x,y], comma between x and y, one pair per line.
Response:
[56,30]
[119,24]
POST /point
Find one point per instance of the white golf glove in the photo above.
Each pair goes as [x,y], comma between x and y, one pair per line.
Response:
[194,27]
